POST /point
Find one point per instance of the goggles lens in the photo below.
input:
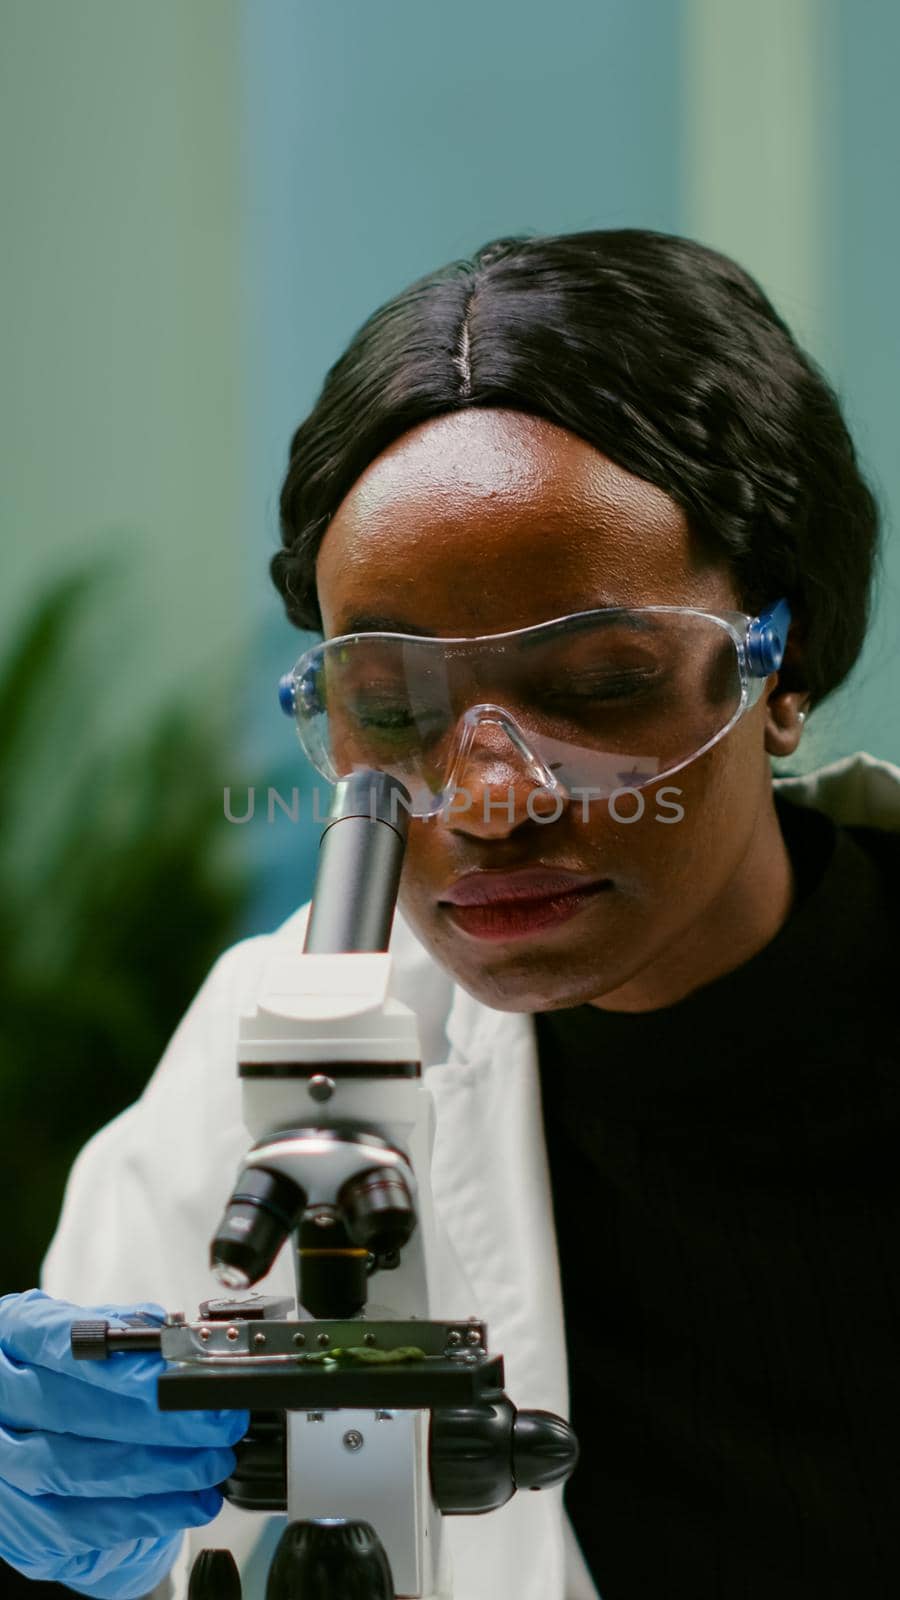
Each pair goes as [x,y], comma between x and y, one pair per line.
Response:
[591,704]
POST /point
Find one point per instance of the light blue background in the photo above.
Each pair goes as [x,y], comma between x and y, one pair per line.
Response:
[203,202]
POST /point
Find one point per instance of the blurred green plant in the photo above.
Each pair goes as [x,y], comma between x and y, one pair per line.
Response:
[109,918]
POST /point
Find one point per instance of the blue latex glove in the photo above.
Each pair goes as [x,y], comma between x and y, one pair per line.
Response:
[96,1484]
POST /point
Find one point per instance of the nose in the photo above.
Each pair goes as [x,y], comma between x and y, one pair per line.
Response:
[498,779]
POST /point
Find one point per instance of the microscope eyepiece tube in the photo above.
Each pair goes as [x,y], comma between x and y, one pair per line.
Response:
[360,857]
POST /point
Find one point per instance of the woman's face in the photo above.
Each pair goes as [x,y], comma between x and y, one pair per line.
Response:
[483,521]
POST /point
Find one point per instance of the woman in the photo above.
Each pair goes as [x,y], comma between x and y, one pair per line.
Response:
[655,1010]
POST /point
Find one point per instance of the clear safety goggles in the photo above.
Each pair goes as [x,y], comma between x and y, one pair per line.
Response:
[585,705]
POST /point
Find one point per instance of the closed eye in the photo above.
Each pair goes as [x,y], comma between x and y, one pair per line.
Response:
[597,688]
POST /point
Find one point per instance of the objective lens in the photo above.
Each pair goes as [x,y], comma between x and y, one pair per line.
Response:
[378,1210]
[262,1211]
[230,1277]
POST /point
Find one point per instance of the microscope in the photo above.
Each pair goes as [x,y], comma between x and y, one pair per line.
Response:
[371,1419]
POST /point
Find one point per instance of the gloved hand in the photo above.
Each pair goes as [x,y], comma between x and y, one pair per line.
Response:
[97,1484]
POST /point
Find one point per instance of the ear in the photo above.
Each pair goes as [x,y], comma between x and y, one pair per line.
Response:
[786,707]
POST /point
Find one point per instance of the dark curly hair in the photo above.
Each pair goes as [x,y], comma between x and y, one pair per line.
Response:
[661,353]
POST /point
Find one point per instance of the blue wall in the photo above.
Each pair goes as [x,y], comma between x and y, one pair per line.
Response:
[861,145]
[381,141]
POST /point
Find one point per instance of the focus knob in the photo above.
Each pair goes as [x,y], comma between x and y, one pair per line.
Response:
[330,1560]
[470,1457]
[214,1576]
[545,1450]
[479,1455]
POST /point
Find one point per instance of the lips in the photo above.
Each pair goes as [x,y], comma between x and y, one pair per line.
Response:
[497,908]
[490,887]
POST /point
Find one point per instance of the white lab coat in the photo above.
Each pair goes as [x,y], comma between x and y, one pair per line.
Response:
[146,1192]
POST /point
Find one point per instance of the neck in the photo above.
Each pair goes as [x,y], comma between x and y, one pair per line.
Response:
[745,917]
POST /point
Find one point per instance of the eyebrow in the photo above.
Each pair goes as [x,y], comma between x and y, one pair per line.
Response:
[375,622]
[372,623]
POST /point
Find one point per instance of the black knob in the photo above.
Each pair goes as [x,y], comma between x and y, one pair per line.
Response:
[214,1576]
[545,1450]
[88,1340]
[92,1340]
[330,1560]
[470,1457]
[479,1455]
[259,1479]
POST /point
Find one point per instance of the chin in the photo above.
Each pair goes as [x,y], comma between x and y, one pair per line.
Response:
[513,991]
[516,981]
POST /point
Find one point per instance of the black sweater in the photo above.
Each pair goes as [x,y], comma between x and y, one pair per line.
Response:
[726,1180]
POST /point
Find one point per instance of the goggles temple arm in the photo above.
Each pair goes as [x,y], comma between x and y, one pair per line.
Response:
[767,639]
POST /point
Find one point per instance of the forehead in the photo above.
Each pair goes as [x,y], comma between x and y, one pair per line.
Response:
[482,520]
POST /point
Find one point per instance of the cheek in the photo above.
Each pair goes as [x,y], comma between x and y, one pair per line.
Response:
[720,795]
[427,868]
[657,852]
[666,875]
